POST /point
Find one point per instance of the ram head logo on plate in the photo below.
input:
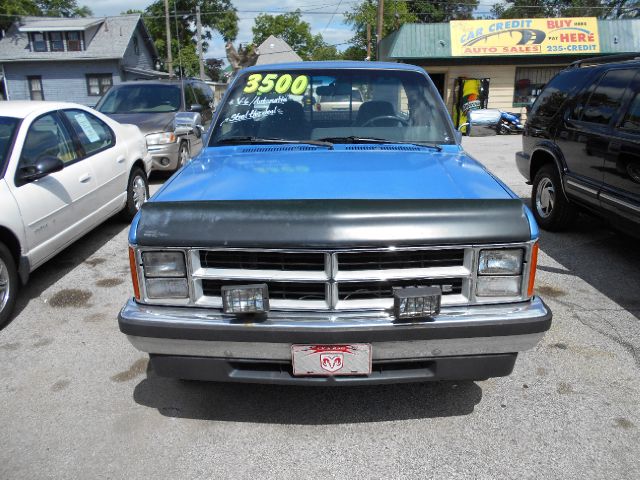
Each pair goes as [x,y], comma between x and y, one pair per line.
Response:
[331,362]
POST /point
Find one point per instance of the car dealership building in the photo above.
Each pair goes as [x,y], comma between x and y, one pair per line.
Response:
[504,63]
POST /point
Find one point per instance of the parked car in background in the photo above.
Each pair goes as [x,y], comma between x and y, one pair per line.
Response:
[152,105]
[64,169]
[581,144]
[333,250]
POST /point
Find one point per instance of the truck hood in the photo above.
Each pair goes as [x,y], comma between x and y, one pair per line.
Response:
[271,197]
[146,122]
[296,172]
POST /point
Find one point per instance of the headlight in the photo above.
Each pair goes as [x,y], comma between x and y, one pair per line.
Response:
[164,264]
[500,262]
[165,274]
[161,138]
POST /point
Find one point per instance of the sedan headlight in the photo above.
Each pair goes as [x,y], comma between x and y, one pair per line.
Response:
[165,274]
[160,138]
[500,272]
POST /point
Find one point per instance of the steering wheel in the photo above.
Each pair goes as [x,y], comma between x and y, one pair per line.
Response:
[403,121]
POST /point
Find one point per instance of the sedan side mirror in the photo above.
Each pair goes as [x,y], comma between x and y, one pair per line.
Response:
[187,123]
[43,167]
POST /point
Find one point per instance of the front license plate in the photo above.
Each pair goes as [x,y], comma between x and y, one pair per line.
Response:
[354,359]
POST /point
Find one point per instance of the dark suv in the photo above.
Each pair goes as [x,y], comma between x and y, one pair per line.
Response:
[152,105]
[582,144]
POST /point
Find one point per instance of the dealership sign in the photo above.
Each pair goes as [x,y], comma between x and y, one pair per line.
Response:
[529,36]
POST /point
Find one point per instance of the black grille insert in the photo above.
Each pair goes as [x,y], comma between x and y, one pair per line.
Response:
[369,290]
[245,260]
[277,290]
[385,260]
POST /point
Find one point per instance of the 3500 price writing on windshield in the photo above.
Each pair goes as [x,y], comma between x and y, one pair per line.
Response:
[280,83]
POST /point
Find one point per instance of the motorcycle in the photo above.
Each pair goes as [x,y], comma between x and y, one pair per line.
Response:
[509,123]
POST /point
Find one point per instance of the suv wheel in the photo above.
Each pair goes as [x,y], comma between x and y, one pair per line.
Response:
[550,207]
[8,284]
[137,193]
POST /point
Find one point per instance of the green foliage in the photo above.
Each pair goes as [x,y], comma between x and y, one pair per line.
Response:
[396,12]
[567,8]
[297,33]
[442,11]
[10,10]
[219,15]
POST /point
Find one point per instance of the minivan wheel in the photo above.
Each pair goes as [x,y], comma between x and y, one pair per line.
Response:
[183,155]
[550,207]
[8,284]
[137,193]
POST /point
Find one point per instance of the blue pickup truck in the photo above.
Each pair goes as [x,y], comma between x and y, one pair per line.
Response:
[333,247]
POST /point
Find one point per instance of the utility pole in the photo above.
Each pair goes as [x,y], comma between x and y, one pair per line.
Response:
[379,27]
[199,32]
[368,41]
[169,56]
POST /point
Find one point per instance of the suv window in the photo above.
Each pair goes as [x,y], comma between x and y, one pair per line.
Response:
[556,92]
[606,98]
[189,96]
[93,133]
[631,120]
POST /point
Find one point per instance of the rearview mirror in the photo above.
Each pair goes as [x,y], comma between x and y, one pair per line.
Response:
[43,167]
[187,123]
[481,123]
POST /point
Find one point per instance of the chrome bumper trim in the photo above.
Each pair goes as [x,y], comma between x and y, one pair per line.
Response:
[411,349]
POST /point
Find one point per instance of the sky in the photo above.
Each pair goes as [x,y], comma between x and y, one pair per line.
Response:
[325,19]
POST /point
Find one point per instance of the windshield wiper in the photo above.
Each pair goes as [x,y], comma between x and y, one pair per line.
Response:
[262,140]
[355,139]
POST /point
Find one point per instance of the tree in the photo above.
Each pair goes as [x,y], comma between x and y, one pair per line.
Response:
[443,11]
[297,33]
[213,68]
[396,12]
[10,10]
[218,15]
[567,8]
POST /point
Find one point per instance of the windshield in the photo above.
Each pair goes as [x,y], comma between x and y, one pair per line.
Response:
[141,98]
[7,129]
[333,105]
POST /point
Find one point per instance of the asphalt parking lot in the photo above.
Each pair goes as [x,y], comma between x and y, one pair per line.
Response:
[77,401]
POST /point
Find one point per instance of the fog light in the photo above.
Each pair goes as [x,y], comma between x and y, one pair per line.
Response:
[164,161]
[245,298]
[416,302]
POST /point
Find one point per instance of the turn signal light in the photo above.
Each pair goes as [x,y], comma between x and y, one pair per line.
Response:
[134,273]
[532,270]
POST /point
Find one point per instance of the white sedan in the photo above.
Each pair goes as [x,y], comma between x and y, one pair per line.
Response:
[64,169]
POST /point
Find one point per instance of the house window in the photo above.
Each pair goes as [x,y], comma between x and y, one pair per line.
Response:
[35,88]
[56,41]
[39,42]
[529,83]
[74,43]
[98,83]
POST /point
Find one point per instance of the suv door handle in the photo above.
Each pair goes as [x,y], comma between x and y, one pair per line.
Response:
[85,178]
[120,159]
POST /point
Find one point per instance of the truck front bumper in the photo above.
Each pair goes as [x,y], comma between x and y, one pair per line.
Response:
[460,343]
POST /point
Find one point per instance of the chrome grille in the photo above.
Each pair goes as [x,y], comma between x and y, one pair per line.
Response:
[332,280]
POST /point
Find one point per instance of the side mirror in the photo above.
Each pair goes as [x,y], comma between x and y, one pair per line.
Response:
[195,108]
[187,123]
[482,123]
[43,167]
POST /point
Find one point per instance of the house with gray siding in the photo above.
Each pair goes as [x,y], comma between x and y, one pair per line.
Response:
[74,59]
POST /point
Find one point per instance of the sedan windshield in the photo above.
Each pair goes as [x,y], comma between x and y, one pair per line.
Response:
[7,130]
[338,106]
[141,98]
